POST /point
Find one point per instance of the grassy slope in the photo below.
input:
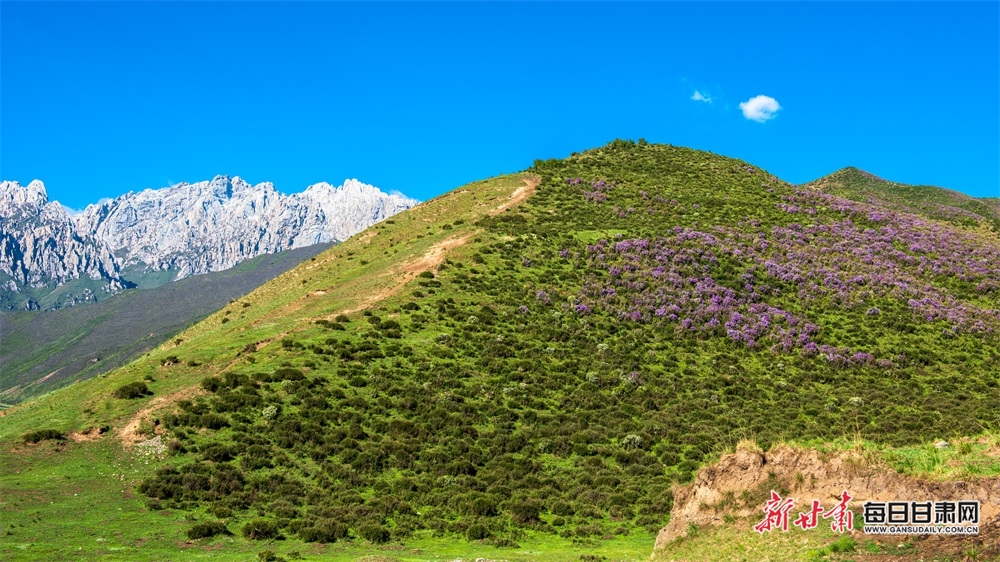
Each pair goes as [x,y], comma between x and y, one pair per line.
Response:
[346,273]
[113,331]
[37,491]
[694,395]
[933,202]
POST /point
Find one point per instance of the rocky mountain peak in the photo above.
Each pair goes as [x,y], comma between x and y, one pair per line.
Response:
[12,193]
[186,229]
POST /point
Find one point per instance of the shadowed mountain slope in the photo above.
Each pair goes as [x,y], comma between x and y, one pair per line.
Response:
[41,351]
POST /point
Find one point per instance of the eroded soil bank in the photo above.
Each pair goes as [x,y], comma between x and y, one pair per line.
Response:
[734,490]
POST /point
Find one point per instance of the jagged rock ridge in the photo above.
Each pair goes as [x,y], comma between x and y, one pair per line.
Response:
[40,246]
[186,229]
[214,225]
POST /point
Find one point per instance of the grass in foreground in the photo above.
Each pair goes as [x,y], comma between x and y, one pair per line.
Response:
[60,501]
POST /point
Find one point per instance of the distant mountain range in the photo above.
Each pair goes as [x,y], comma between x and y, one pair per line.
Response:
[50,259]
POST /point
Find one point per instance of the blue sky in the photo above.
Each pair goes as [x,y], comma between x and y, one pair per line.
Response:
[99,99]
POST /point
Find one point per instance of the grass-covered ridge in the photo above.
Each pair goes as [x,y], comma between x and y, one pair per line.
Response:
[551,370]
[933,202]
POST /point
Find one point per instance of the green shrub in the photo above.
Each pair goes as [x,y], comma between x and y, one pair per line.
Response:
[43,435]
[218,452]
[260,529]
[131,390]
[478,532]
[211,384]
[324,531]
[213,421]
[376,534]
[562,508]
[287,374]
[207,529]
[525,512]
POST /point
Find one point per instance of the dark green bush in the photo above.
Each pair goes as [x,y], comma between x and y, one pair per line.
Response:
[218,452]
[131,390]
[260,529]
[324,531]
[376,534]
[43,435]
[562,508]
[478,532]
[287,374]
[213,421]
[207,529]
[211,384]
[525,512]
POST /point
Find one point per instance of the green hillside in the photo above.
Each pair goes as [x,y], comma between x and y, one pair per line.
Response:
[932,202]
[493,370]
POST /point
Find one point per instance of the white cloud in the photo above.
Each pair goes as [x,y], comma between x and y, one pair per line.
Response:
[698,96]
[71,211]
[760,108]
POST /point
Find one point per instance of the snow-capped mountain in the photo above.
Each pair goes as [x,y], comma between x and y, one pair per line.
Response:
[187,229]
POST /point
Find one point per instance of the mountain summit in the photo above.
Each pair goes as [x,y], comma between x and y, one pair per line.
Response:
[159,235]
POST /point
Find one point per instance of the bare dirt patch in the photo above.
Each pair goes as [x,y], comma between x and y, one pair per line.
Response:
[92,434]
[129,434]
[519,195]
[737,486]
[48,376]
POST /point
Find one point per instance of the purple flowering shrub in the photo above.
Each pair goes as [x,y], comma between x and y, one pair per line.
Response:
[671,280]
[856,256]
